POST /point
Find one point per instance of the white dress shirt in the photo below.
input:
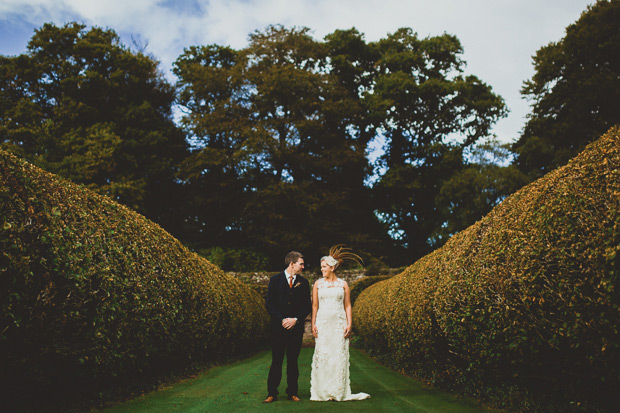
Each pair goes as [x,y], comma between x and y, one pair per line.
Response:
[288,277]
[288,281]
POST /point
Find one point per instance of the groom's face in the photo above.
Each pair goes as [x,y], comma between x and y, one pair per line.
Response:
[297,267]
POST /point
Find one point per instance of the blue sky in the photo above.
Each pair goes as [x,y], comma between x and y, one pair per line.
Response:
[499,37]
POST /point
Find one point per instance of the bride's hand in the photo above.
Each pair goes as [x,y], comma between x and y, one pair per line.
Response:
[347,332]
[315,332]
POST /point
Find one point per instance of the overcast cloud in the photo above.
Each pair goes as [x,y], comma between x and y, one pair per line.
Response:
[499,37]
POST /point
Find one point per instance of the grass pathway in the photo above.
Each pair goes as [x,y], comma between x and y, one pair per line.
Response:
[241,386]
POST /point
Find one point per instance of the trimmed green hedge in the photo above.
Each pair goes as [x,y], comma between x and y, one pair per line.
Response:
[360,285]
[523,307]
[94,296]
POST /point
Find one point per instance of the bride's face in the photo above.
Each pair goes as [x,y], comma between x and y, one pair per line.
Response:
[326,270]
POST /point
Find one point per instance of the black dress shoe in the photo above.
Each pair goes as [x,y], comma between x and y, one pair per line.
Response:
[270,399]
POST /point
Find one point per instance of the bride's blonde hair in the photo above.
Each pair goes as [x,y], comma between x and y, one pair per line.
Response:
[338,253]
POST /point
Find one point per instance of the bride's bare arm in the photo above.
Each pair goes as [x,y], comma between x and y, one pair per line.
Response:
[315,308]
[347,310]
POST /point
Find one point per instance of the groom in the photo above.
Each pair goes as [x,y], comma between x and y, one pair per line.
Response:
[288,303]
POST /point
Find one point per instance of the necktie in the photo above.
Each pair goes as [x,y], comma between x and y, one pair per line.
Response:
[290,282]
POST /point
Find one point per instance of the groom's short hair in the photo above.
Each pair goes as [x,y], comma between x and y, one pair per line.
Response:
[292,257]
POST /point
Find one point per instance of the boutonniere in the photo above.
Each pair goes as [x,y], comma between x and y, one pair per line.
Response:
[297,285]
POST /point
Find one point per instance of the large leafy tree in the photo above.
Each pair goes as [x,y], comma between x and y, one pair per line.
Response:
[275,146]
[80,104]
[429,113]
[575,91]
[221,166]
[472,191]
[282,131]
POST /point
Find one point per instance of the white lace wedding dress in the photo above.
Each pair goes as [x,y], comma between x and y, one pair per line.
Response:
[330,363]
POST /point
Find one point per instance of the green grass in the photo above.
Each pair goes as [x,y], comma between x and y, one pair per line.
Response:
[242,386]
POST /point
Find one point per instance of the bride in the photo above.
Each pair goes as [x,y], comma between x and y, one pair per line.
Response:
[331,327]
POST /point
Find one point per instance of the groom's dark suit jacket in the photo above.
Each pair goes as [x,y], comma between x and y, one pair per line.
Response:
[283,302]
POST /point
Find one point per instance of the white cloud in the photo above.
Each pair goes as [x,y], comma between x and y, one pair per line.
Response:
[499,36]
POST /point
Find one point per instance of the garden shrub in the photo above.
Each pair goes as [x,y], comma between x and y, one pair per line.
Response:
[374,266]
[523,307]
[260,289]
[360,285]
[94,296]
[240,260]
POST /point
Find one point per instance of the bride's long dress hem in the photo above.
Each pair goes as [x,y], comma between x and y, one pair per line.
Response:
[329,379]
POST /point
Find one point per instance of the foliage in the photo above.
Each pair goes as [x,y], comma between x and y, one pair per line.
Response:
[521,307]
[260,289]
[235,259]
[282,128]
[420,102]
[575,91]
[375,266]
[473,190]
[81,105]
[274,139]
[274,147]
[360,285]
[96,297]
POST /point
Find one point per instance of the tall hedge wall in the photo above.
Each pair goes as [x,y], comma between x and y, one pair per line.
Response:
[360,285]
[95,296]
[523,307]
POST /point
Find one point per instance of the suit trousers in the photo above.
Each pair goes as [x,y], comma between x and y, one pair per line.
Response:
[283,342]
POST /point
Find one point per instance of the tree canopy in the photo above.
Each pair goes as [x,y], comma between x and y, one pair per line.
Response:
[274,148]
[282,128]
[80,104]
[575,90]
[429,112]
[273,143]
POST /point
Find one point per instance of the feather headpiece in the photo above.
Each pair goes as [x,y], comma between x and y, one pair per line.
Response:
[338,253]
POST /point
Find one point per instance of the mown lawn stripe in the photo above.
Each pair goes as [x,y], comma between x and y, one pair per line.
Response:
[241,386]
